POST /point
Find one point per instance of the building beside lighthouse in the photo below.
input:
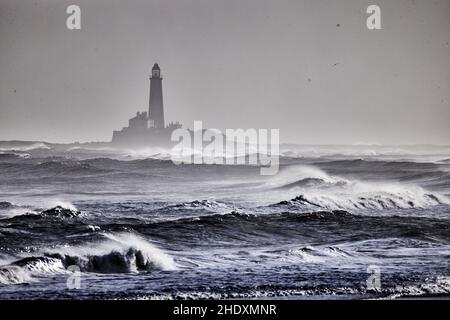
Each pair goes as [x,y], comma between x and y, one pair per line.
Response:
[148,129]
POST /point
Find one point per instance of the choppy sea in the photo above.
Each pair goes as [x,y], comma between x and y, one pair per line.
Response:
[137,226]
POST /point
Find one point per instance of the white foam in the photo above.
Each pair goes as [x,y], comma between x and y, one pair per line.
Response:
[293,174]
[33,146]
[144,153]
[13,275]
[45,265]
[157,256]
[312,254]
[438,286]
[339,193]
[60,203]
[121,243]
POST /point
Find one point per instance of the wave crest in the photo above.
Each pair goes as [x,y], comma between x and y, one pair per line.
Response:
[13,275]
[121,253]
[375,201]
[25,147]
[318,189]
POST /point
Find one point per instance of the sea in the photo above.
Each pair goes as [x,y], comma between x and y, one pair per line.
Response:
[336,222]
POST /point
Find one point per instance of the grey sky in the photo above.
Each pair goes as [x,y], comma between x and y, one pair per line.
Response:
[231,63]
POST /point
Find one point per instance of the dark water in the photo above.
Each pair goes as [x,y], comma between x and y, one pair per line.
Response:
[137,226]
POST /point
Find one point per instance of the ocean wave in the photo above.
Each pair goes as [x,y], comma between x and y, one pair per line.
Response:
[44,264]
[60,210]
[195,208]
[237,221]
[99,165]
[13,275]
[362,150]
[120,253]
[213,218]
[318,255]
[6,205]
[14,155]
[63,164]
[145,153]
[199,203]
[374,201]
[318,189]
[124,154]
[301,175]
[26,147]
[10,210]
[318,227]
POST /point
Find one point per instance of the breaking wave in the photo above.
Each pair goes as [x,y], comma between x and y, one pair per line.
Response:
[58,209]
[394,199]
[318,255]
[120,253]
[13,275]
[318,189]
[199,203]
[61,212]
[27,147]
[300,176]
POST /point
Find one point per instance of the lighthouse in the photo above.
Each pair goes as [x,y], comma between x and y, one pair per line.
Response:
[155,105]
[148,129]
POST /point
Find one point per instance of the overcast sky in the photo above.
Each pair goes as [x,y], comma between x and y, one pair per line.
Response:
[308,67]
